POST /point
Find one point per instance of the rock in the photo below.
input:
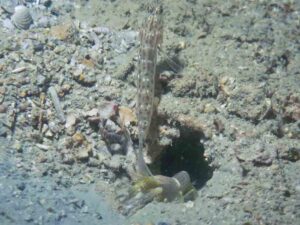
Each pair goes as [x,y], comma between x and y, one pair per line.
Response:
[49,134]
[108,110]
[41,80]
[93,162]
[70,123]
[92,113]
[78,138]
[64,31]
[18,146]
[21,186]
[3,131]
[102,157]
[115,163]
[127,116]
[116,148]
[83,154]
[3,108]
[68,159]
[111,126]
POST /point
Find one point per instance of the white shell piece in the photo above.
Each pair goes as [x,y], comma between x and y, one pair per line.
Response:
[22,18]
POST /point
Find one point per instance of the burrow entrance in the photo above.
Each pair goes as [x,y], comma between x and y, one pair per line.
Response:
[186,153]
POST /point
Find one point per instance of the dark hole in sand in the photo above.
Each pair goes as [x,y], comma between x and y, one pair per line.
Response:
[186,153]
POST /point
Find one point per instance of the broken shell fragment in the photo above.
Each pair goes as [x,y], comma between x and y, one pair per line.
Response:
[70,121]
[127,116]
[108,110]
[83,154]
[22,18]
[227,85]
[78,138]
[64,31]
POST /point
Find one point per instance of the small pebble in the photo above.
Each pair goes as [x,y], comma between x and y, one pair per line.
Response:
[18,146]
[162,223]
[3,108]
[3,131]
[85,209]
[189,204]
[28,218]
[78,138]
[115,162]
[83,155]
[108,110]
[98,216]
[21,186]
[116,148]
[62,214]
[70,121]
[68,159]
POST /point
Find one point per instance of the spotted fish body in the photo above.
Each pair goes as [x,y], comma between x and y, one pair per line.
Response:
[150,38]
